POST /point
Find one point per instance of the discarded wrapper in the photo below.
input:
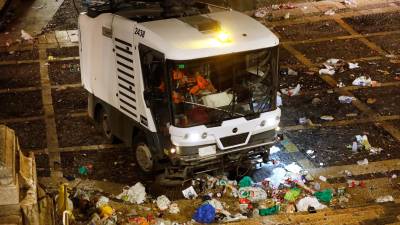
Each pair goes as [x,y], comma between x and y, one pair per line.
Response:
[189,193]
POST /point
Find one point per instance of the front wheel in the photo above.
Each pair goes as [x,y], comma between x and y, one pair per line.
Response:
[144,158]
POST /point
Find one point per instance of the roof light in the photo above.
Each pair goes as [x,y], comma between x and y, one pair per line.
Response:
[223,36]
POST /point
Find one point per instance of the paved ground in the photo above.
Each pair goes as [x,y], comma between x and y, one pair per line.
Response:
[42,99]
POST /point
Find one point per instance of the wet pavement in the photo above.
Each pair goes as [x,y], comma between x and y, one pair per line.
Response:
[370,39]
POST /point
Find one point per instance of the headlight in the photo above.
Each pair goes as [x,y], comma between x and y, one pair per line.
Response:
[271,121]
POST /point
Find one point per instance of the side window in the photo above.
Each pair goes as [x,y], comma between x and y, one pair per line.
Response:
[155,88]
[152,63]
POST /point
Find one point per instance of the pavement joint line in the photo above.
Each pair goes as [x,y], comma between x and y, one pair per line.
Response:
[31,61]
[372,167]
[351,36]
[21,119]
[16,90]
[27,89]
[364,40]
[350,88]
[82,148]
[340,123]
[65,86]
[317,18]
[51,129]
[26,47]
[17,62]
[78,114]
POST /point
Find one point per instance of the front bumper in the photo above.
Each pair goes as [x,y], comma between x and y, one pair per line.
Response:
[189,156]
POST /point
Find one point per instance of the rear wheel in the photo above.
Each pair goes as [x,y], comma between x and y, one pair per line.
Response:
[103,124]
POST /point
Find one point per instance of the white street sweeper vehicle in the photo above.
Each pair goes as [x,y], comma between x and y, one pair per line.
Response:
[190,92]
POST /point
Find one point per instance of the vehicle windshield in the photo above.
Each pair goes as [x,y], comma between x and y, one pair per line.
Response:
[211,90]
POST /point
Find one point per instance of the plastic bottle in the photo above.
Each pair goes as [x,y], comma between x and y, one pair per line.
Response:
[354,148]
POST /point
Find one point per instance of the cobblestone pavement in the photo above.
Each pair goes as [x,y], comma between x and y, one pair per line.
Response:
[42,99]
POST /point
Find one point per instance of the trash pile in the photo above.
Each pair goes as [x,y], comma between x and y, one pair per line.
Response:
[208,199]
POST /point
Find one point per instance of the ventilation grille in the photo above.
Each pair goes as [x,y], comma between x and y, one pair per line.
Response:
[234,140]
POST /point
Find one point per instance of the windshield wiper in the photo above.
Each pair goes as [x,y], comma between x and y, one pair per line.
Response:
[209,107]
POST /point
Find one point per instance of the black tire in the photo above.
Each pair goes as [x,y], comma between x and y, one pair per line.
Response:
[103,124]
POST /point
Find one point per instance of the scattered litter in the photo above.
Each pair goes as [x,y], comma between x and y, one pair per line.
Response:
[279,101]
[135,194]
[330,12]
[253,194]
[375,151]
[83,170]
[322,178]
[102,202]
[316,101]
[302,120]
[317,186]
[327,71]
[390,56]
[350,2]
[354,183]
[26,36]
[174,208]
[384,72]
[293,168]
[286,16]
[205,214]
[327,118]
[269,211]
[283,6]
[324,196]
[354,146]
[291,92]
[340,84]
[362,81]
[386,198]
[307,202]
[353,65]
[332,66]
[362,162]
[278,177]
[292,72]
[346,99]
[310,152]
[351,114]
[246,181]
[163,202]
[189,193]
[261,12]
[362,141]
[371,101]
[106,211]
[292,194]
[274,149]
[50,58]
